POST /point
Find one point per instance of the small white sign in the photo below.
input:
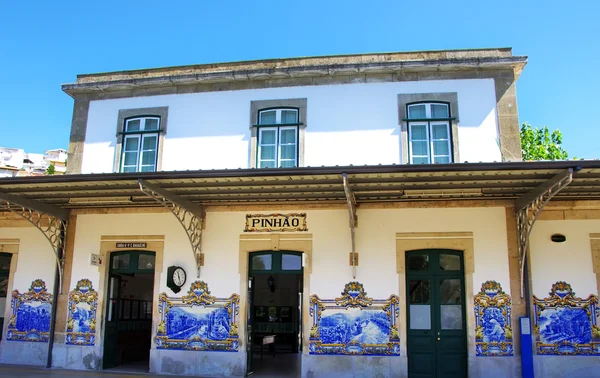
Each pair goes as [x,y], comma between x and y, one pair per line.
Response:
[95,259]
[525,326]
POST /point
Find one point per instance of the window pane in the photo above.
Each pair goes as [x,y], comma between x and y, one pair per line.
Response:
[267,164]
[418,262]
[420,160]
[131,144]
[3,289]
[267,137]
[129,169]
[147,168]
[121,262]
[439,148]
[289,116]
[439,131]
[450,291]
[267,153]
[418,132]
[419,148]
[268,117]
[439,111]
[133,125]
[130,158]
[417,111]
[441,160]
[451,316]
[5,262]
[287,164]
[420,317]
[262,262]
[449,262]
[146,261]
[288,152]
[419,291]
[288,136]
[291,262]
[151,124]
[149,142]
[148,158]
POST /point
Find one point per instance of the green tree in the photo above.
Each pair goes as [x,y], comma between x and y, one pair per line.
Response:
[540,144]
[50,170]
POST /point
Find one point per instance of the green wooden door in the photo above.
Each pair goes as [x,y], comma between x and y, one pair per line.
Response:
[435,292]
[249,318]
[111,333]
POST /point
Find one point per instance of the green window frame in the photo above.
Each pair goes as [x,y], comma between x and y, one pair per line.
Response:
[139,152]
[132,266]
[278,262]
[429,132]
[278,137]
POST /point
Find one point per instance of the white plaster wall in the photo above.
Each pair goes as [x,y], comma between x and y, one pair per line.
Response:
[36,258]
[375,239]
[347,124]
[570,261]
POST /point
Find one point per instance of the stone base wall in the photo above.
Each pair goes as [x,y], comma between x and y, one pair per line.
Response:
[495,367]
[205,364]
[75,357]
[566,366]
[23,353]
[315,366]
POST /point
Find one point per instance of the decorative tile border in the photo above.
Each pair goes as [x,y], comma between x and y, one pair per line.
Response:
[31,313]
[566,324]
[81,318]
[198,321]
[493,331]
[354,324]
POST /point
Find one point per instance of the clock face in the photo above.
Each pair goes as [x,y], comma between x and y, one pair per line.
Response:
[179,277]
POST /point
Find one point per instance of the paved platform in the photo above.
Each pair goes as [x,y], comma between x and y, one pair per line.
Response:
[18,371]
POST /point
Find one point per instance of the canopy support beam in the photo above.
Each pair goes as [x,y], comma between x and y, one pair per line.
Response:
[191,216]
[527,209]
[351,200]
[50,220]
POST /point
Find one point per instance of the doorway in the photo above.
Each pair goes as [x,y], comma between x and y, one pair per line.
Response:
[435,295]
[128,330]
[274,324]
[4,277]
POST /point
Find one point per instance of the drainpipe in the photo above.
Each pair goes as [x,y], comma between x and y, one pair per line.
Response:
[55,293]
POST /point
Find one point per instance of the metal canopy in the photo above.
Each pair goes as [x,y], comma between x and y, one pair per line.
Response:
[190,215]
[50,220]
[529,206]
[297,186]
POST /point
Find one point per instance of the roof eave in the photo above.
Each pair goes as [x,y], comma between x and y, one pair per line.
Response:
[515,63]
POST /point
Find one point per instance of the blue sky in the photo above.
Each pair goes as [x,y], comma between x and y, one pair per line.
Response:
[45,43]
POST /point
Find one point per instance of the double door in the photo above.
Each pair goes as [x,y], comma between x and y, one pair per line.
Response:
[435,292]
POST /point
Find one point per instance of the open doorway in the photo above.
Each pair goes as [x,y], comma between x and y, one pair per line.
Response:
[275,313]
[128,330]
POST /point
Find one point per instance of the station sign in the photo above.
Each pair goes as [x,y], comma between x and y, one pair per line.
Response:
[276,222]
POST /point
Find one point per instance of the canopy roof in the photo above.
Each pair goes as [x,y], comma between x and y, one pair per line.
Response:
[381,183]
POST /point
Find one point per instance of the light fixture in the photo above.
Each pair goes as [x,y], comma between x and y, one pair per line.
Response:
[271,283]
[99,200]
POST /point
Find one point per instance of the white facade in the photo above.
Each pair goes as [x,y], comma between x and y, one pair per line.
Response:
[346,124]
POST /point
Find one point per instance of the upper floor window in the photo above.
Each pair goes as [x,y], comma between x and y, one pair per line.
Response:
[140,144]
[429,133]
[278,138]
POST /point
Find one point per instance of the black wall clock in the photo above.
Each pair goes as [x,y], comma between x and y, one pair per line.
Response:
[175,278]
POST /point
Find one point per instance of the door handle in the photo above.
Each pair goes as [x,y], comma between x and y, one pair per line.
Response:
[438,339]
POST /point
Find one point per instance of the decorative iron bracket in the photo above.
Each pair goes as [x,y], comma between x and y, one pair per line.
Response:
[351,200]
[50,220]
[190,215]
[527,209]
